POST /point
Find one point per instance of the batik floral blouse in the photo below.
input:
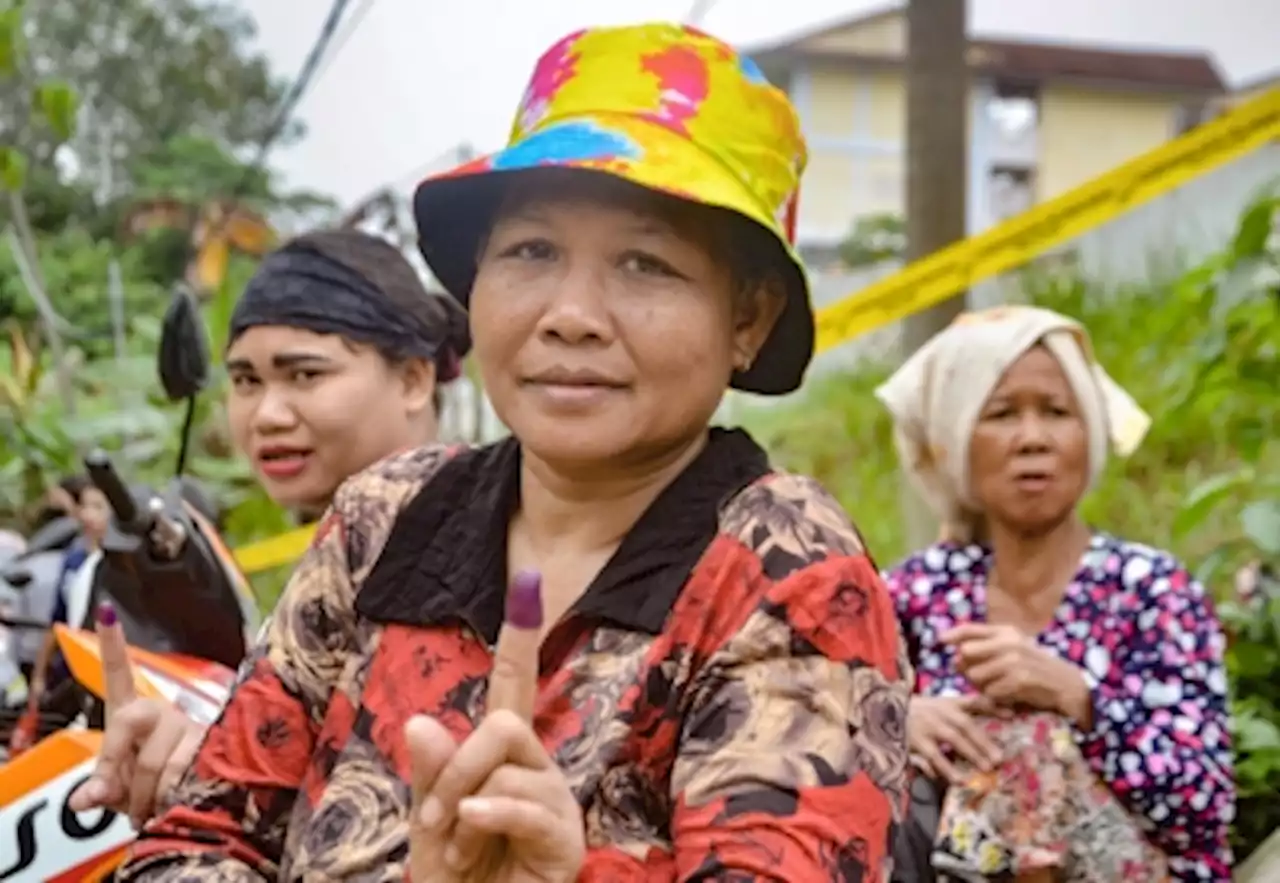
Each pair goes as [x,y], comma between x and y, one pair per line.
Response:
[727,699]
[1145,636]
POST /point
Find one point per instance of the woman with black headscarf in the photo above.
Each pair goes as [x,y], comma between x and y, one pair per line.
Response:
[336,354]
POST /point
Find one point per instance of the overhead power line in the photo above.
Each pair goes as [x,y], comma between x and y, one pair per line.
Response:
[306,76]
[340,39]
[310,67]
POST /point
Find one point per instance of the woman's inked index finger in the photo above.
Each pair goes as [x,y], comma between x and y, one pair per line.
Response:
[513,685]
[116,669]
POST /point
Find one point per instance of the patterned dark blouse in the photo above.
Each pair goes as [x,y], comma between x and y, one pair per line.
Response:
[727,699]
[1145,636]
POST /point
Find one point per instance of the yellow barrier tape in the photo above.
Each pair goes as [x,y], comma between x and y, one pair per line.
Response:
[1002,248]
[279,550]
[1018,240]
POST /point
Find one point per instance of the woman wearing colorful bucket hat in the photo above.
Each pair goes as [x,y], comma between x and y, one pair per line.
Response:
[698,674]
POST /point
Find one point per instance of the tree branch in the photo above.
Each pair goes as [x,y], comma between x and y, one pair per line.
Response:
[35,288]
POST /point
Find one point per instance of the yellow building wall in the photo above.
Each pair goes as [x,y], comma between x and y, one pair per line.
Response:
[856,123]
[826,195]
[831,98]
[879,36]
[1085,133]
[887,112]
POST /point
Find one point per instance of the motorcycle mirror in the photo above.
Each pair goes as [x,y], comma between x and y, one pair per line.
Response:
[183,361]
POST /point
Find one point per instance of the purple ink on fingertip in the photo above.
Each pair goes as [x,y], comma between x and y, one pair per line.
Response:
[524,600]
[107,614]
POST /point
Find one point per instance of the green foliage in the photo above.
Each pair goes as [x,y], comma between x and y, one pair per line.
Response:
[10,37]
[1201,352]
[77,238]
[197,171]
[13,168]
[121,408]
[150,99]
[58,103]
[1240,362]
[75,267]
[51,105]
[873,240]
[145,71]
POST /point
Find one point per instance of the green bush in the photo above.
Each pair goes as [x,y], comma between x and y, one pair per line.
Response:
[1201,352]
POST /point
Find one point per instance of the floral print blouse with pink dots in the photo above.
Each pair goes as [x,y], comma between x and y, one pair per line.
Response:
[1144,633]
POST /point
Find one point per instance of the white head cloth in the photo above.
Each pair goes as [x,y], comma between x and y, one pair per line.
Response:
[937,396]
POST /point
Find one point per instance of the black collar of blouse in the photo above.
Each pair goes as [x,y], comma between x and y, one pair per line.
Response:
[446,556]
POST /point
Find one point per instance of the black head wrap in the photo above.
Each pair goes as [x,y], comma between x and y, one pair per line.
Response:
[360,287]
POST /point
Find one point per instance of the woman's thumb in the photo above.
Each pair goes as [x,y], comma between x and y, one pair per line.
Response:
[93,794]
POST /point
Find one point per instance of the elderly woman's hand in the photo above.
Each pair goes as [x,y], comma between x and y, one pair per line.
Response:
[1010,668]
[496,808]
[940,727]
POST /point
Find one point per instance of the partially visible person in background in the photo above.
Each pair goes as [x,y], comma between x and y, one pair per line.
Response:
[60,498]
[1070,684]
[336,355]
[75,591]
[12,544]
[39,569]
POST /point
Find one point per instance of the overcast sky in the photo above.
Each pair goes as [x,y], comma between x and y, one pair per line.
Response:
[419,76]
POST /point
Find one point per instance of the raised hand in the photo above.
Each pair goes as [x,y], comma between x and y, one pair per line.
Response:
[495,809]
[146,745]
[1012,669]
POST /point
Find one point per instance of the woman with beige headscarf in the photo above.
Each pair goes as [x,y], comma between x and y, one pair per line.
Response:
[1070,684]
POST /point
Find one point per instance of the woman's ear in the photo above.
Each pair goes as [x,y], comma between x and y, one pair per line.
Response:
[756,311]
[418,379]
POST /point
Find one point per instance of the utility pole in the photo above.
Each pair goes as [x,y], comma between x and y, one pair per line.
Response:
[937,76]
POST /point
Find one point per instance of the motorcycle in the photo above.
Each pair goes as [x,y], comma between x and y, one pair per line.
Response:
[189,616]
[28,590]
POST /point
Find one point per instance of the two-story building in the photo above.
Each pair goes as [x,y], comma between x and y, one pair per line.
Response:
[1044,117]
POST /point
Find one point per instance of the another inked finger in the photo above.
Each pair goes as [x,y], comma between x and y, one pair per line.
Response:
[513,685]
[117,671]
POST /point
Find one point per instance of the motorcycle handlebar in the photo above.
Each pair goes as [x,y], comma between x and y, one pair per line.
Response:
[104,476]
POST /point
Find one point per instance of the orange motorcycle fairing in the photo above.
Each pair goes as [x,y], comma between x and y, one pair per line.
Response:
[47,841]
[41,838]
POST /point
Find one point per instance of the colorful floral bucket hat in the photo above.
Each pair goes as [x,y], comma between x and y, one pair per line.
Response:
[665,107]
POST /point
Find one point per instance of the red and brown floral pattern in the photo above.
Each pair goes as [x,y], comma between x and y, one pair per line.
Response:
[727,699]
